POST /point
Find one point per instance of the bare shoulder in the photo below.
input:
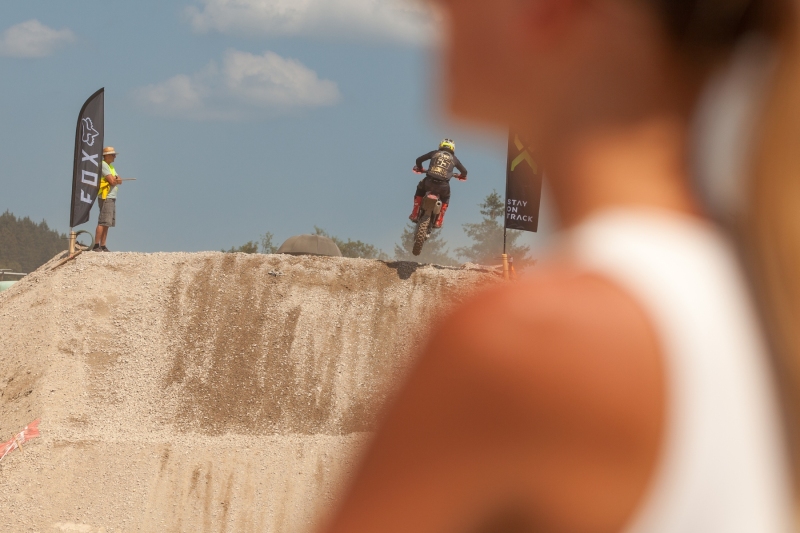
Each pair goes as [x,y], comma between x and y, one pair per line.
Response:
[547,395]
[562,323]
[570,364]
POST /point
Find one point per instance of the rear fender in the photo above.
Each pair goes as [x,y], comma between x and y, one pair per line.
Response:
[432,204]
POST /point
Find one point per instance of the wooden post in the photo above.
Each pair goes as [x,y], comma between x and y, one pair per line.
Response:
[67,260]
[72,238]
[19,444]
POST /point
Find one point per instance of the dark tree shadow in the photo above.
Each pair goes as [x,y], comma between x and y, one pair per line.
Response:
[405,269]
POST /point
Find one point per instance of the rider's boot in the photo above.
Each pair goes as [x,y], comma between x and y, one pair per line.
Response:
[440,220]
[415,213]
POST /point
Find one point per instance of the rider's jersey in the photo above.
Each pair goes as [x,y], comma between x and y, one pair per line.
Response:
[442,165]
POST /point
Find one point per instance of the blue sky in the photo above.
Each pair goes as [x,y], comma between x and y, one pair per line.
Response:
[237,118]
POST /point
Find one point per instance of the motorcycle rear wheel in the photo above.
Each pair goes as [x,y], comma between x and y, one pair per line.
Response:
[421,236]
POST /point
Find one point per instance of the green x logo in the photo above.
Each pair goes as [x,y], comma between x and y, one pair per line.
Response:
[524,156]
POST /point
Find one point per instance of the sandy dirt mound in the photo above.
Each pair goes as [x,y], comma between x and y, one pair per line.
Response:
[202,392]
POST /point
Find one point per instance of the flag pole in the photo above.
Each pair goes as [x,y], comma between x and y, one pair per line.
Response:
[505,256]
[72,238]
[505,228]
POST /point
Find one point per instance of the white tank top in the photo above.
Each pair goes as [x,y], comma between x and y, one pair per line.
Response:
[722,467]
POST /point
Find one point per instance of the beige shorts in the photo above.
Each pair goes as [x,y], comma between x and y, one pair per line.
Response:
[108,212]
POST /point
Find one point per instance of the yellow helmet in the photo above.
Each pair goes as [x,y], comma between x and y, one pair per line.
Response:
[448,144]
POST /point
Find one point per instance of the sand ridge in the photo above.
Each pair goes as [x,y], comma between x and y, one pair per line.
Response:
[203,392]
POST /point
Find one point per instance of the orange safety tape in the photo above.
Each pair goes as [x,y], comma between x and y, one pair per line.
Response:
[31,431]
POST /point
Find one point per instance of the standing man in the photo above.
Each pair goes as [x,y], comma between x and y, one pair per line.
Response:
[107,199]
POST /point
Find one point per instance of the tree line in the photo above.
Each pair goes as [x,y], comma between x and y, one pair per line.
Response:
[486,245]
[26,245]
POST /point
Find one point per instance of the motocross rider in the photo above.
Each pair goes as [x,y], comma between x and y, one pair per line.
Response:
[437,179]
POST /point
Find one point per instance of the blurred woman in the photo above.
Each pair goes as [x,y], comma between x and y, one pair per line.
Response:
[626,386]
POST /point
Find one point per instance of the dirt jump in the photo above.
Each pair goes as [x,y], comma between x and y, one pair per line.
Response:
[202,392]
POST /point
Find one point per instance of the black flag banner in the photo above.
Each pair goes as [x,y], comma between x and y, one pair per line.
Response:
[88,158]
[523,187]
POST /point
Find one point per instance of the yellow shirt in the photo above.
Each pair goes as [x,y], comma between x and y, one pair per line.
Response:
[105,186]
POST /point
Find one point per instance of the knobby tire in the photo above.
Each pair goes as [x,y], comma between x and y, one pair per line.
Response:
[421,236]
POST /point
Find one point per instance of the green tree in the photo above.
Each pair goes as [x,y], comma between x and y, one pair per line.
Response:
[267,246]
[250,247]
[26,245]
[355,249]
[434,252]
[487,236]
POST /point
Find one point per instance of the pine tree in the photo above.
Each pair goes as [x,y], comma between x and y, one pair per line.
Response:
[434,252]
[26,245]
[487,236]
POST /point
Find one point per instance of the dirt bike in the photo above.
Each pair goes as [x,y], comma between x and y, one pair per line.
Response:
[428,212]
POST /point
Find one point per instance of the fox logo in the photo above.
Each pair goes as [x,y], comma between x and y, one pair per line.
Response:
[89,133]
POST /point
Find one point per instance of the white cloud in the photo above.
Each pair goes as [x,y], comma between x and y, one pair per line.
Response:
[245,85]
[405,21]
[33,39]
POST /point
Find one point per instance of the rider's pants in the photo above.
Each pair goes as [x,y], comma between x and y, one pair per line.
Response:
[440,187]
